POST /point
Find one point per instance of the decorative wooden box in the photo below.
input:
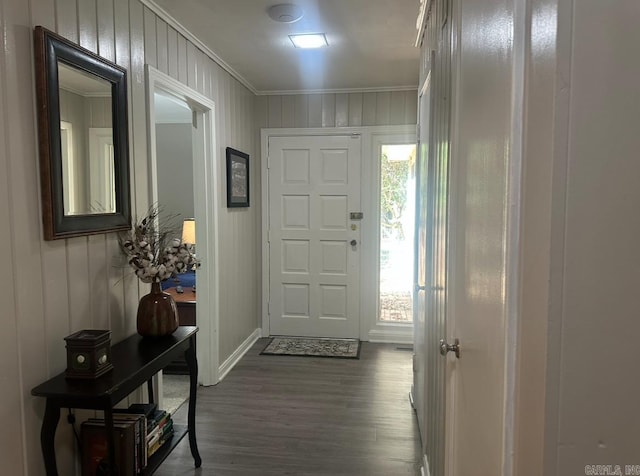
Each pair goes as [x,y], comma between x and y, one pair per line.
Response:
[88,354]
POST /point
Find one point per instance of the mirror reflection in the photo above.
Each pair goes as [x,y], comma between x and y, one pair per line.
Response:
[87,146]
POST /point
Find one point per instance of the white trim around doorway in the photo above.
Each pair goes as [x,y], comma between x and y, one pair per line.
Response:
[206,173]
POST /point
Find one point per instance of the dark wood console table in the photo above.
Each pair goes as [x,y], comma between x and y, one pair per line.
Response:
[135,361]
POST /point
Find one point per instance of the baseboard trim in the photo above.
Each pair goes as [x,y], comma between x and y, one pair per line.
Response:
[424,471]
[391,336]
[234,358]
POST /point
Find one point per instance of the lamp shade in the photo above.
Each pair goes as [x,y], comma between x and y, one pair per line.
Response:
[189,231]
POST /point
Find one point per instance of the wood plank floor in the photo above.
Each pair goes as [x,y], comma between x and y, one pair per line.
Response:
[276,415]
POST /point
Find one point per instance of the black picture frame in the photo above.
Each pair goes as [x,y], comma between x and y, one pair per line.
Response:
[237,179]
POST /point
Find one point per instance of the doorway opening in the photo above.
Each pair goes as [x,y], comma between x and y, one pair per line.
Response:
[396,232]
[183,166]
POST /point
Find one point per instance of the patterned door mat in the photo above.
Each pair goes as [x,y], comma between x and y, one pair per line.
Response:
[313,347]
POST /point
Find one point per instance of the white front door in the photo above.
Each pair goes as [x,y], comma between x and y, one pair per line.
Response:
[314,245]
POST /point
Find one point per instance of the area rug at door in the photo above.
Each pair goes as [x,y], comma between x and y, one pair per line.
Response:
[313,347]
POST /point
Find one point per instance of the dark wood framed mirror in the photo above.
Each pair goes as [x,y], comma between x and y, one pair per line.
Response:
[83,138]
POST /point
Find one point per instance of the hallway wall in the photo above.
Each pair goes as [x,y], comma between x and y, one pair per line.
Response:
[54,288]
[592,389]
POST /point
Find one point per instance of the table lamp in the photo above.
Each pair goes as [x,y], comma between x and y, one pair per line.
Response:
[189,237]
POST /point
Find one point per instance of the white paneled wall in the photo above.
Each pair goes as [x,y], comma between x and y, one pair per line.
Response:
[52,289]
[337,109]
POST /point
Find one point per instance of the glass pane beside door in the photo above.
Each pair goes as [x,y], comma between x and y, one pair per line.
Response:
[397,217]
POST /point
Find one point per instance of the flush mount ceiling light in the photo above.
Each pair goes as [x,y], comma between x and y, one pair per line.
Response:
[285,13]
[313,40]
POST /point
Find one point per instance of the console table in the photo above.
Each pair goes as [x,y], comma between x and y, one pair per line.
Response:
[135,361]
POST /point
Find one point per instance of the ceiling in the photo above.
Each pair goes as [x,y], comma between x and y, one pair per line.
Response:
[371,42]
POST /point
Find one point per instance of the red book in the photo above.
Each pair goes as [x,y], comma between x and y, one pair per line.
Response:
[95,458]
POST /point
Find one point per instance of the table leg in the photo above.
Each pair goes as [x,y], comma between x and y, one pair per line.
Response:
[150,390]
[47,437]
[192,363]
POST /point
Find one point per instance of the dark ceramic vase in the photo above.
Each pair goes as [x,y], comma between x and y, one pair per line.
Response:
[157,313]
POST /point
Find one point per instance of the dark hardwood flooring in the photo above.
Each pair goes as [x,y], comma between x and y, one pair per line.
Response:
[277,415]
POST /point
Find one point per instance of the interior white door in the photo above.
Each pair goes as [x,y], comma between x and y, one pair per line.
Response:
[314,246]
[420,256]
[479,257]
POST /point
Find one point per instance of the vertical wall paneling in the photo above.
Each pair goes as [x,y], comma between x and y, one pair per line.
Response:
[342,110]
[121,28]
[383,105]
[150,49]
[79,283]
[397,107]
[369,103]
[288,111]
[137,116]
[411,107]
[12,409]
[301,113]
[192,67]
[275,111]
[182,59]
[98,258]
[261,114]
[172,52]
[87,27]
[97,284]
[337,109]
[328,110]
[204,73]
[66,19]
[355,109]
[315,110]
[137,148]
[162,46]
[24,208]
[106,29]
[56,290]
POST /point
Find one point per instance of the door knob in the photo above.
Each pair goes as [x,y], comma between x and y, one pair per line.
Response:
[354,242]
[445,348]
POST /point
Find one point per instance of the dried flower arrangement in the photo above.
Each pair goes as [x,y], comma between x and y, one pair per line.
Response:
[156,254]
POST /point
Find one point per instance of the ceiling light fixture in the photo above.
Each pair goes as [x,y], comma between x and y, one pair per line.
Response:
[285,13]
[313,40]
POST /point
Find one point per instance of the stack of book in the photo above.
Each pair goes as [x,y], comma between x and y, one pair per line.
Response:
[139,432]
[159,430]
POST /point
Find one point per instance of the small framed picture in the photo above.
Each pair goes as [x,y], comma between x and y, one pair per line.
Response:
[237,178]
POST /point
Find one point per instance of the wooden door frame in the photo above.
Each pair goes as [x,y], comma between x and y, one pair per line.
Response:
[206,174]
[367,134]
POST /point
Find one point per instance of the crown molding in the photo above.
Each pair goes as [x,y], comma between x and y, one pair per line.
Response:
[166,16]
[337,91]
[421,22]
